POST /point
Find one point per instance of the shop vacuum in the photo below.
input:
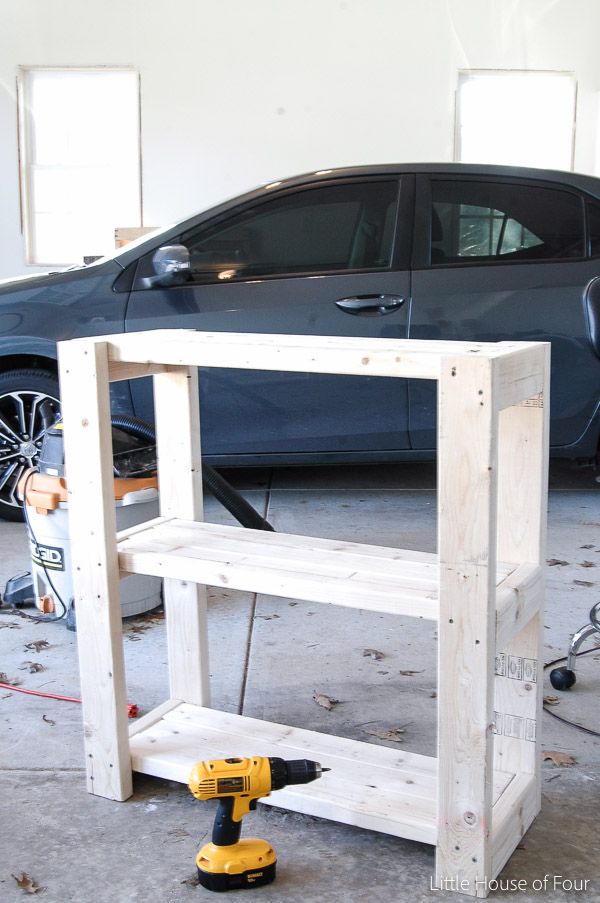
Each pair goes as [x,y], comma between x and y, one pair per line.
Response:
[43,491]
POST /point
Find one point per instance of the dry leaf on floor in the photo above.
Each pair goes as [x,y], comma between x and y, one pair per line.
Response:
[11,625]
[559,758]
[555,562]
[410,673]
[590,545]
[551,700]
[144,623]
[48,720]
[584,583]
[587,564]
[5,679]
[393,734]
[373,653]
[32,667]
[193,881]
[28,884]
[179,833]
[37,645]
[326,701]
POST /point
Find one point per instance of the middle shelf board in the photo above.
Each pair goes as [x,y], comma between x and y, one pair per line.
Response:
[376,787]
[375,578]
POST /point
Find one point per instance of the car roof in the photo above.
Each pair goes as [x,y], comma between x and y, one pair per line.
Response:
[580,181]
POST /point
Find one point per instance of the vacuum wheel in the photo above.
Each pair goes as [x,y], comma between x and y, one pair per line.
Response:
[562,678]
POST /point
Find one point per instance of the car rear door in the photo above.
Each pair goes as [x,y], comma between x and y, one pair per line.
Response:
[329,259]
[497,260]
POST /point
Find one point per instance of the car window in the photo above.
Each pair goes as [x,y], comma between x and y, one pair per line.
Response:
[331,228]
[474,221]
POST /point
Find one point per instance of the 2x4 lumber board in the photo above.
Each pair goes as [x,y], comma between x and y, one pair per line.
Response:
[466,644]
[523,500]
[179,462]
[414,358]
[151,718]
[88,454]
[382,579]
[371,786]
[326,571]
[520,375]
[519,598]
[512,816]
[400,799]
[122,370]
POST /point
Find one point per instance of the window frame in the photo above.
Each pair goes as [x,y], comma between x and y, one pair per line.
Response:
[25,133]
[400,250]
[423,221]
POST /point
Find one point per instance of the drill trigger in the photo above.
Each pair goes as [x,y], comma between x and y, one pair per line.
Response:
[253,804]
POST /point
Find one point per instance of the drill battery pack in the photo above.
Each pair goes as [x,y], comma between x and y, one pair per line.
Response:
[244,880]
[246,864]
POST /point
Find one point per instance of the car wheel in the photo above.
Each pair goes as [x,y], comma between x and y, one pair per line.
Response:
[28,406]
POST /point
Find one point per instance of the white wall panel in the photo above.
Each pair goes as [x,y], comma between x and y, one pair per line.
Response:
[235,93]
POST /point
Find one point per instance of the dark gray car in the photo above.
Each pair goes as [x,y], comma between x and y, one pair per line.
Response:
[444,251]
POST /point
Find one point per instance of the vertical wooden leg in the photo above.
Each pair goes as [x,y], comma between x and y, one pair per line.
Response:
[523,490]
[88,452]
[180,466]
[467,526]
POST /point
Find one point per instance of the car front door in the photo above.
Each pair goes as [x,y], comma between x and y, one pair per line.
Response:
[330,259]
[500,260]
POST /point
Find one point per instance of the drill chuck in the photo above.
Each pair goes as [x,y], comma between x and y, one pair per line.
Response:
[293,771]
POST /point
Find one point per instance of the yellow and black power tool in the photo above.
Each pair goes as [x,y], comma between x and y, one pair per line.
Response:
[228,863]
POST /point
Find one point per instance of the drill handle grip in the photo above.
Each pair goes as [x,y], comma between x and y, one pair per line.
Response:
[226,831]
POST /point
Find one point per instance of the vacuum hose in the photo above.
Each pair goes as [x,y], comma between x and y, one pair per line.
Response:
[235,503]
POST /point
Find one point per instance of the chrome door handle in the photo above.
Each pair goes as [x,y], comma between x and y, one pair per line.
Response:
[370,305]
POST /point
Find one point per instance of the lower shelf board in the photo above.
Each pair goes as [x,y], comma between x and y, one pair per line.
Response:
[373,787]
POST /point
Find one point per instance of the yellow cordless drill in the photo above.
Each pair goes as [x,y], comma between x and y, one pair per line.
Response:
[228,863]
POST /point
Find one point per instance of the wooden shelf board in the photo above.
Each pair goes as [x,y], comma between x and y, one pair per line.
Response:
[375,787]
[376,578]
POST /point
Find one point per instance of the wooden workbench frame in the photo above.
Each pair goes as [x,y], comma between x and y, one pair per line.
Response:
[484,586]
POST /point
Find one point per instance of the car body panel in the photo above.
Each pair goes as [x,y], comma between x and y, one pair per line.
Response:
[265,417]
[286,412]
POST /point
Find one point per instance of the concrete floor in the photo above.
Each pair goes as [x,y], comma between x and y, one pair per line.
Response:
[268,658]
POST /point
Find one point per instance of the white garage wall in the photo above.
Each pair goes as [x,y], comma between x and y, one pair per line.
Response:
[239,92]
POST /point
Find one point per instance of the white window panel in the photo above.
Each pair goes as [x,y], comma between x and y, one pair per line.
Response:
[516,118]
[80,153]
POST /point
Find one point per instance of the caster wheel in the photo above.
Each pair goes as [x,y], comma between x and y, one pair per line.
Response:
[562,678]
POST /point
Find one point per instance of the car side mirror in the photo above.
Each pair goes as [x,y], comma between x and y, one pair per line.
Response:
[171,265]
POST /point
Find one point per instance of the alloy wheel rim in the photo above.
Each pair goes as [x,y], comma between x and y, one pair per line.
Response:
[24,417]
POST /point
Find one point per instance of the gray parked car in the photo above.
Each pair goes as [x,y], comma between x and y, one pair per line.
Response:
[430,251]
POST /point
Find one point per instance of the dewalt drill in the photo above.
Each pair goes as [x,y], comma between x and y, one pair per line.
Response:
[228,863]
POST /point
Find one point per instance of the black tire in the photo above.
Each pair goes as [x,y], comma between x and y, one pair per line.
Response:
[29,403]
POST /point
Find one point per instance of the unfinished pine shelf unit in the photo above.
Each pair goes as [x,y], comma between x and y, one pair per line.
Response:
[484,587]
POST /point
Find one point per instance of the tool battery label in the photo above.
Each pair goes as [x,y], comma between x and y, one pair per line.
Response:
[48,557]
[516,667]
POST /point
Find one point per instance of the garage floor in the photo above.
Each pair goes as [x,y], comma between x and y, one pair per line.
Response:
[269,656]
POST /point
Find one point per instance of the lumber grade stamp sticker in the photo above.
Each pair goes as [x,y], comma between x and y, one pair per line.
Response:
[536,401]
[514,726]
[516,667]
